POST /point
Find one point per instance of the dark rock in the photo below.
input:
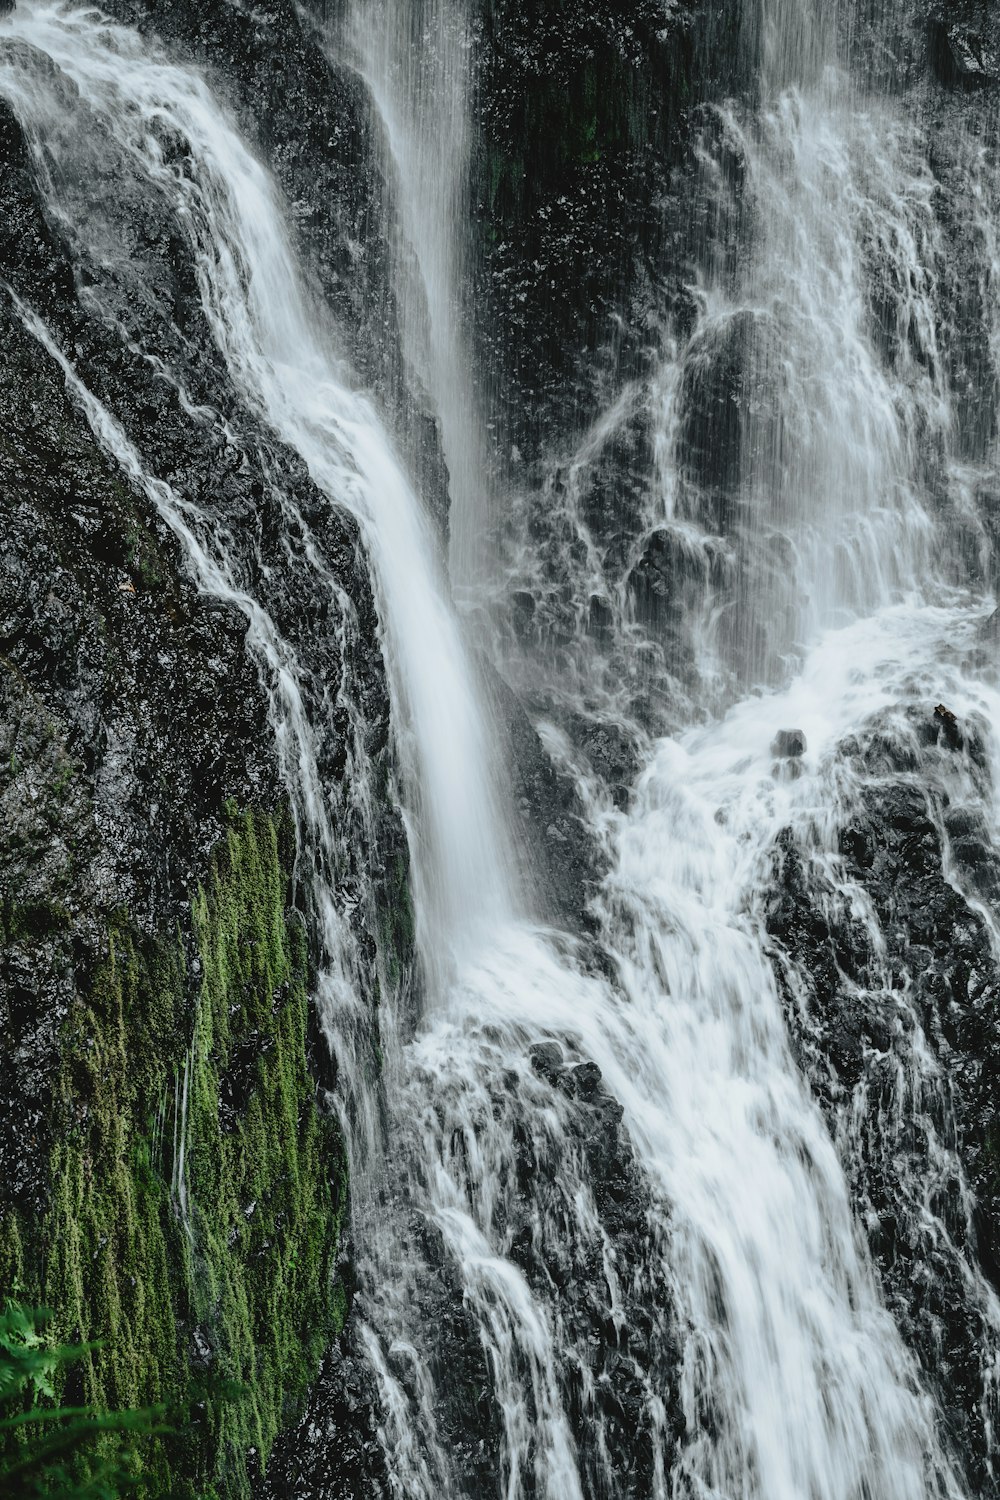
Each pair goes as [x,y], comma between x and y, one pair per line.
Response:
[854,996]
[669,584]
[963,55]
[305,109]
[547,1059]
[580,122]
[789,744]
[544,797]
[334,1448]
[600,620]
[586,1081]
[947,725]
[132,717]
[718,379]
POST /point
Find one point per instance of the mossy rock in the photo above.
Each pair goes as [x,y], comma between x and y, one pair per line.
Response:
[197,1188]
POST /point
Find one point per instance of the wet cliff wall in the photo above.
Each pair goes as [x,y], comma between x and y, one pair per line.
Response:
[174,1179]
[156,916]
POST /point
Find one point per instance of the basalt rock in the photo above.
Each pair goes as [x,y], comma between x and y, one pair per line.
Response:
[285,72]
[334,1448]
[964,53]
[863,995]
[620,1355]
[597,102]
[545,798]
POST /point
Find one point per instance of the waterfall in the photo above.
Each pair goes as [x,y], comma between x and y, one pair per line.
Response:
[283,361]
[415,61]
[611,1201]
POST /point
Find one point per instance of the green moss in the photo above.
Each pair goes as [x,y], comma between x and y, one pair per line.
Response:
[240,1290]
[143,553]
[30,919]
[267,1189]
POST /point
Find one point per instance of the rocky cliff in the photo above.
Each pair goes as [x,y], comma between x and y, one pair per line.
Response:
[173,1170]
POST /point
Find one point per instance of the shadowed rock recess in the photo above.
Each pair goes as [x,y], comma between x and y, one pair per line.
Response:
[500,978]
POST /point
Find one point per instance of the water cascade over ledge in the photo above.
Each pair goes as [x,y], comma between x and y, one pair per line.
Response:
[602,1209]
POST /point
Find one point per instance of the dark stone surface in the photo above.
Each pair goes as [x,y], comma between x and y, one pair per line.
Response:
[789,744]
[583,113]
[130,711]
[284,72]
[130,714]
[964,45]
[558,853]
[856,996]
[334,1449]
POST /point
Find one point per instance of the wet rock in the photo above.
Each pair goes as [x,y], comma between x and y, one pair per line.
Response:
[714,398]
[612,753]
[736,405]
[569,197]
[612,485]
[544,797]
[671,585]
[547,1059]
[334,1447]
[522,612]
[586,1082]
[947,724]
[963,54]
[600,618]
[616,1357]
[864,999]
[789,744]
[132,717]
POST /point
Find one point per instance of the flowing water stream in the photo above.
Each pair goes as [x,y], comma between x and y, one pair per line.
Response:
[416,61]
[738,1307]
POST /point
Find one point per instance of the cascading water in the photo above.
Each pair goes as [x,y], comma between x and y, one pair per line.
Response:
[280,365]
[656,1255]
[415,60]
[284,366]
[792,430]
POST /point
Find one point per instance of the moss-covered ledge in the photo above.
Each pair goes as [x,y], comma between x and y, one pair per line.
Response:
[196,1187]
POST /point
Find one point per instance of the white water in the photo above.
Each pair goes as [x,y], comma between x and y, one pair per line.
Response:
[829,443]
[796,1385]
[817,1395]
[415,57]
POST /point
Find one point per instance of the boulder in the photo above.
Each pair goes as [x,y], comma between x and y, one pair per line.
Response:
[963,55]
[789,744]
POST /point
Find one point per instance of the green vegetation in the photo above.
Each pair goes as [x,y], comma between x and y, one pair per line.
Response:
[50,1449]
[192,1248]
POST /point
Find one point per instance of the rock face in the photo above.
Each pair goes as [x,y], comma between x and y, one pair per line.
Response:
[158,935]
[155,963]
[303,108]
[628,1353]
[334,1449]
[582,118]
[572,1213]
[892,1001]
[963,44]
